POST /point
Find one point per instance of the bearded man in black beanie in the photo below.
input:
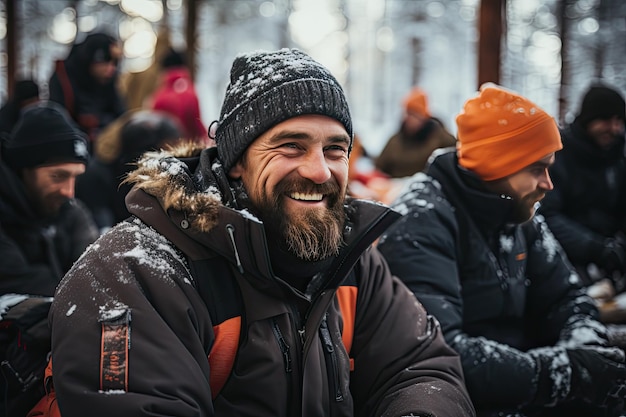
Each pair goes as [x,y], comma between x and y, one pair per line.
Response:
[43,230]
[586,211]
[251,279]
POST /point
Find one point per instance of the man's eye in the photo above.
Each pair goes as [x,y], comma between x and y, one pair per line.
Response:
[336,148]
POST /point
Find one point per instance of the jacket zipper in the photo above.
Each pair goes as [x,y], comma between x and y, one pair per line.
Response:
[284,347]
[331,362]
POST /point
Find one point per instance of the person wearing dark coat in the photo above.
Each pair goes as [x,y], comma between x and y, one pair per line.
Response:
[509,302]
[102,187]
[85,83]
[265,214]
[43,229]
[586,211]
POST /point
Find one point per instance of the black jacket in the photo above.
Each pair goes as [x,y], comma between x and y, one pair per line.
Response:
[290,360]
[497,289]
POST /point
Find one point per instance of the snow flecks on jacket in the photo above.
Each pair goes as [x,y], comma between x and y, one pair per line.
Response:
[506,243]
[581,330]
[548,241]
[484,350]
[112,310]
[71,310]
[419,183]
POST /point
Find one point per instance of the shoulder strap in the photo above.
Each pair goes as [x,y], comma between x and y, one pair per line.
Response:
[66,86]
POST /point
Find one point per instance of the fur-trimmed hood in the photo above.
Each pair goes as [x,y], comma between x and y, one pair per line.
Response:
[169,176]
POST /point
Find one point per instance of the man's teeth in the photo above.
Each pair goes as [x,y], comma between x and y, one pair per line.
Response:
[307,197]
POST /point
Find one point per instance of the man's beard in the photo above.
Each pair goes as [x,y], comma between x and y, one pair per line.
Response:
[49,206]
[310,234]
[525,207]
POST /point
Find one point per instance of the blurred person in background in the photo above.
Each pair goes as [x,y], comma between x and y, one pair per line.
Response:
[407,151]
[25,92]
[101,188]
[85,83]
[43,228]
[176,95]
[137,87]
[586,211]
[472,250]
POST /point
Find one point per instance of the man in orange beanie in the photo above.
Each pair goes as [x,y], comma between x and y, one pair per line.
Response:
[507,298]
[407,151]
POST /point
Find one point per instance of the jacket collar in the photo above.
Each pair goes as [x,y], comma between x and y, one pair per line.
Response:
[467,192]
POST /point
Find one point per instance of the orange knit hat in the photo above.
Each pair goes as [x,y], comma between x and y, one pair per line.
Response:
[417,102]
[500,132]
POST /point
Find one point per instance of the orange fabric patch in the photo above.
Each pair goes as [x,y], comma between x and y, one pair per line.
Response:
[223,352]
[347,303]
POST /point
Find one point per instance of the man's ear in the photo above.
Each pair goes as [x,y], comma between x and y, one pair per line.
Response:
[236,171]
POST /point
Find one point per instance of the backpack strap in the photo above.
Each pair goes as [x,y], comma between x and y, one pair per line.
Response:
[47,405]
[66,87]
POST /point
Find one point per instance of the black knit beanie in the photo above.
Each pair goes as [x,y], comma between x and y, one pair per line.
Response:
[601,102]
[267,88]
[44,134]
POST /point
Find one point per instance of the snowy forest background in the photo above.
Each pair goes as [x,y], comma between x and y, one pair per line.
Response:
[378,49]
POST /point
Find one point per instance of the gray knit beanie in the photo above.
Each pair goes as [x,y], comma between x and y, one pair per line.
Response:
[267,88]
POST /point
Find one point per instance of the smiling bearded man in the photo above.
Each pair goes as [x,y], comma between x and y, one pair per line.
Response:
[253,282]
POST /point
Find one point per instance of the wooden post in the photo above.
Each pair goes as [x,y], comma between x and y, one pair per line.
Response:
[11,49]
[190,36]
[492,16]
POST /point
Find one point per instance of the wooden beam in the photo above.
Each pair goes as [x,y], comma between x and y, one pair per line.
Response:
[491,21]
[10,46]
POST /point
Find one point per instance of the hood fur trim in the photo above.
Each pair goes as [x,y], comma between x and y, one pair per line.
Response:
[165,177]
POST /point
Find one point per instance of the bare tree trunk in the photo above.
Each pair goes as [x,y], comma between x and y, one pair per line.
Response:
[564,87]
[492,18]
[11,49]
[190,36]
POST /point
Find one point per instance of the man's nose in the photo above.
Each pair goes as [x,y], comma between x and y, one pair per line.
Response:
[68,188]
[315,168]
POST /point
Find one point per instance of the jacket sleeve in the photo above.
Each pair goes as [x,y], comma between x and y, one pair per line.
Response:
[127,338]
[19,275]
[402,364]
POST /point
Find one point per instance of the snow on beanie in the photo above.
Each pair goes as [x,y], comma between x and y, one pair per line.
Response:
[267,88]
[601,102]
[44,134]
[417,102]
[500,132]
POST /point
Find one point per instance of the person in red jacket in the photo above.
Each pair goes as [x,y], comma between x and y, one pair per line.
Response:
[177,96]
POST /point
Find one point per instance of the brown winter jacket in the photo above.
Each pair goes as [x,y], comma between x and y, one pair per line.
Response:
[132,332]
[403,156]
